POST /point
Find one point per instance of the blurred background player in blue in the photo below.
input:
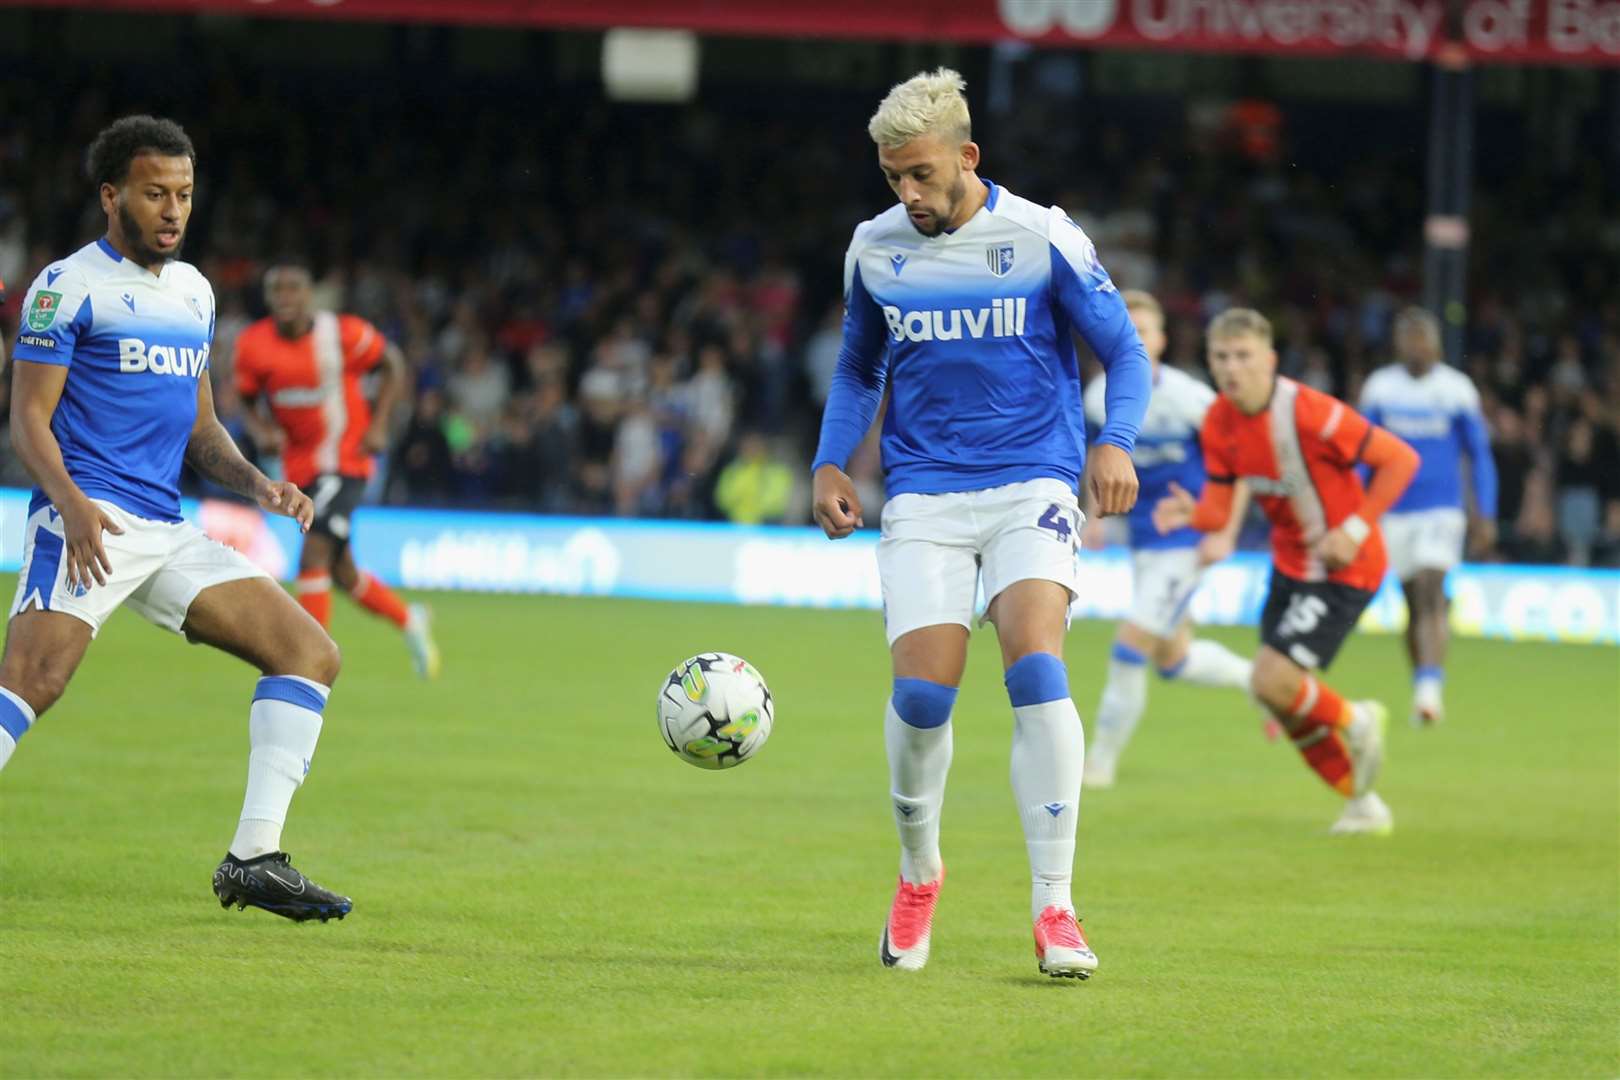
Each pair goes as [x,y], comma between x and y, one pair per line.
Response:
[1165,569]
[1436,409]
[961,302]
[110,395]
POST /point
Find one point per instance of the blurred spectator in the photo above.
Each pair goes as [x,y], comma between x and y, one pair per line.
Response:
[479,387]
[556,441]
[710,401]
[422,461]
[1579,507]
[755,488]
[1317,371]
[821,354]
[637,463]
[1515,460]
[514,455]
[624,355]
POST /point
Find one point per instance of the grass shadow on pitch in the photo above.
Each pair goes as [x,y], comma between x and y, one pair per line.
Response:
[1044,983]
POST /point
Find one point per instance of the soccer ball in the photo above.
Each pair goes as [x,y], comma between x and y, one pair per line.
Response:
[715,710]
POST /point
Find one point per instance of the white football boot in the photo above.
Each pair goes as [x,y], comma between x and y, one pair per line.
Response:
[1364,739]
[1428,709]
[419,639]
[1364,815]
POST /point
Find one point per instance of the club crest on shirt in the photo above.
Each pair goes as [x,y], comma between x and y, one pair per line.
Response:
[999,257]
[43,312]
[196,307]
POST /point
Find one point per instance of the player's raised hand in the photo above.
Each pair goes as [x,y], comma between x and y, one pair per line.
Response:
[1174,511]
[1113,480]
[283,497]
[82,525]
[833,501]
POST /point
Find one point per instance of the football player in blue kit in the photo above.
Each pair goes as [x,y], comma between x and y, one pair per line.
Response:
[110,395]
[961,303]
[1165,569]
[1436,409]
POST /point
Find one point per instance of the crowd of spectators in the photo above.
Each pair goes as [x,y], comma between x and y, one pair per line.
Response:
[635,311]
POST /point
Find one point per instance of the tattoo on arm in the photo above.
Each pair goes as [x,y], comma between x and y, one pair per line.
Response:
[214,455]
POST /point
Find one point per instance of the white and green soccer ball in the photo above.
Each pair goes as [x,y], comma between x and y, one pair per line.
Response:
[715,711]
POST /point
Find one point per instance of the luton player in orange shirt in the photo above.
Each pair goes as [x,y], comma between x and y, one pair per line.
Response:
[309,365]
[1297,449]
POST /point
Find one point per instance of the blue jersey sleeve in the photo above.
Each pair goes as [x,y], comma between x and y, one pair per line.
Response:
[857,384]
[1082,288]
[1476,441]
[55,314]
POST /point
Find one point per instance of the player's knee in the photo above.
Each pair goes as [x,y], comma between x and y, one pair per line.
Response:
[1260,683]
[1170,660]
[1429,590]
[40,683]
[318,658]
[923,704]
[1129,655]
[330,660]
[43,692]
[1036,678]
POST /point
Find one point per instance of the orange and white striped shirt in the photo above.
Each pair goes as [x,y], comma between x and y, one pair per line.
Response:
[313,383]
[1298,457]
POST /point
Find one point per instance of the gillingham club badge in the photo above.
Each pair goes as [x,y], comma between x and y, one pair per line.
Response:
[999,257]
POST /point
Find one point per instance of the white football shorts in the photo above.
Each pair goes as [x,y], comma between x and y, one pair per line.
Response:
[158,567]
[936,549]
[1424,540]
[1163,581]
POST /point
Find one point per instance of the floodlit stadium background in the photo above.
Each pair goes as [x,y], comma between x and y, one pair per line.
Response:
[613,256]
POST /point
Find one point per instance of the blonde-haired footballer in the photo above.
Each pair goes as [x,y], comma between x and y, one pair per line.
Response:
[961,302]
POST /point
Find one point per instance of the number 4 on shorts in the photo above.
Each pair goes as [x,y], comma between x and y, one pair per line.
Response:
[1055,520]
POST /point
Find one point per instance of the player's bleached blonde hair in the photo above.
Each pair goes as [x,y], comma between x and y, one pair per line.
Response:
[1240,320]
[1142,300]
[929,102]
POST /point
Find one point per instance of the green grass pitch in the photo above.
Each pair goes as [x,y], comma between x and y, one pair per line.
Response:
[542,888]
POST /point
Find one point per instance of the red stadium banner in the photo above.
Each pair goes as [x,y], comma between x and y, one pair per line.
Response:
[1520,31]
